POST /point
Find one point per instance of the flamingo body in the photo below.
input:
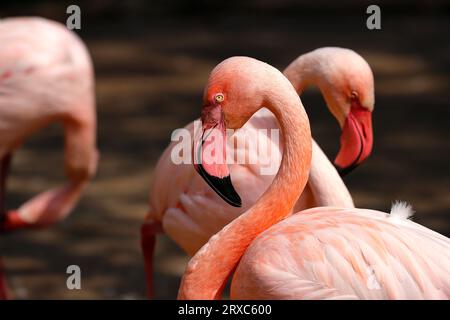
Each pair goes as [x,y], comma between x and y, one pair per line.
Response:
[336,253]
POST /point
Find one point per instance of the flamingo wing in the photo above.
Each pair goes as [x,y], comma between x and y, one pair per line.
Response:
[331,253]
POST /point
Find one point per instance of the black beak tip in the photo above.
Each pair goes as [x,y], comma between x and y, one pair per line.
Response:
[222,186]
[344,171]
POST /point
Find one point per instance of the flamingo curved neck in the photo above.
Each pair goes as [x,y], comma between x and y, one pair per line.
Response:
[302,72]
[307,70]
[208,271]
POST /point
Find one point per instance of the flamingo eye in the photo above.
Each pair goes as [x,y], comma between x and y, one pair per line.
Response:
[219,97]
[354,95]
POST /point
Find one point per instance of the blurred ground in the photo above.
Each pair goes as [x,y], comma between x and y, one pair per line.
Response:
[150,77]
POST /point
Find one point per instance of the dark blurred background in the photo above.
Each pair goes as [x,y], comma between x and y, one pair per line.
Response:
[152,59]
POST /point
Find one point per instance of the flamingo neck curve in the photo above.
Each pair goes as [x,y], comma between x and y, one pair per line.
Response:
[208,271]
[304,72]
[317,68]
[324,180]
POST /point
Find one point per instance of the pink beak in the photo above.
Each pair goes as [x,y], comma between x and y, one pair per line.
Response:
[210,155]
[356,139]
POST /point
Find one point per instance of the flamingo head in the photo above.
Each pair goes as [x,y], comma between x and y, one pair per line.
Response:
[348,89]
[230,99]
[356,138]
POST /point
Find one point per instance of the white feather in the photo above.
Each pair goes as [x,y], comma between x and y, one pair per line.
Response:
[401,210]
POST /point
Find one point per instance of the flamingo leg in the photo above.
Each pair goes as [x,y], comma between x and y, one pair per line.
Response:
[4,168]
[149,230]
[9,220]
[3,285]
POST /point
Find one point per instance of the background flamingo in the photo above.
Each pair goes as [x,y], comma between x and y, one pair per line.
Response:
[191,212]
[319,253]
[46,76]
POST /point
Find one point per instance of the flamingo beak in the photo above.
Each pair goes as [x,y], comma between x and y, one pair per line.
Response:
[356,139]
[210,157]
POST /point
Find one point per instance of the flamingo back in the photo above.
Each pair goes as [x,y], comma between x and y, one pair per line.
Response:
[333,253]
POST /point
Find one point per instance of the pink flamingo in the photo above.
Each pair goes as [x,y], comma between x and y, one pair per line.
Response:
[46,76]
[320,253]
[190,212]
